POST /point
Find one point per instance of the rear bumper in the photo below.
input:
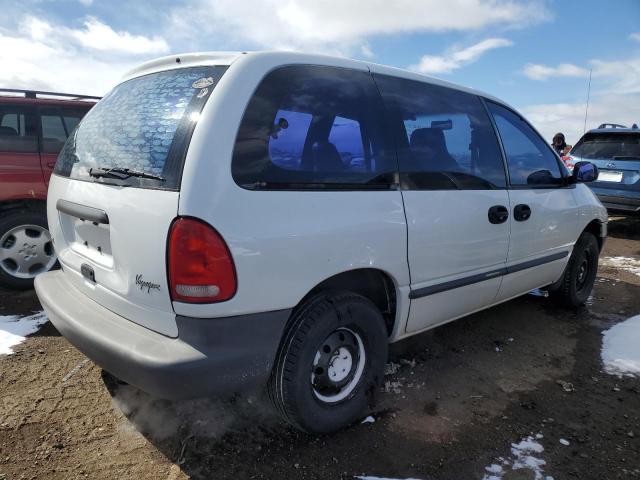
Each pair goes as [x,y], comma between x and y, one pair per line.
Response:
[219,356]
[628,204]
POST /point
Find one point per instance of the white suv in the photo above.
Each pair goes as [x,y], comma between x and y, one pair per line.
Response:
[227,222]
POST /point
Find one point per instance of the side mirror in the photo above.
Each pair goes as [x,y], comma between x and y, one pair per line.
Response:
[584,172]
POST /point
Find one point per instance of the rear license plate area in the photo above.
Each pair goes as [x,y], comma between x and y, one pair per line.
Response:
[87,238]
[609,176]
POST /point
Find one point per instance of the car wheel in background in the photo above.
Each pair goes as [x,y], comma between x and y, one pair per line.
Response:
[26,248]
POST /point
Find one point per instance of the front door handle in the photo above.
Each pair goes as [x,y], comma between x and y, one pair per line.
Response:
[498,214]
[521,212]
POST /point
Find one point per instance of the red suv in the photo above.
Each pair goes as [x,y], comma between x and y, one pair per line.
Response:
[33,128]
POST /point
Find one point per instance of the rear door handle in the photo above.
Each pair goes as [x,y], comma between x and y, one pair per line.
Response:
[82,211]
[498,214]
[521,212]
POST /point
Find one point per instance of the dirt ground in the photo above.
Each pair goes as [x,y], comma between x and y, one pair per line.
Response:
[461,395]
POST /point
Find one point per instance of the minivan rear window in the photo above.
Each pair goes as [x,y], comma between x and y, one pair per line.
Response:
[608,146]
[143,125]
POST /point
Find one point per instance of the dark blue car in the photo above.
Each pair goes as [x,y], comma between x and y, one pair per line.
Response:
[615,150]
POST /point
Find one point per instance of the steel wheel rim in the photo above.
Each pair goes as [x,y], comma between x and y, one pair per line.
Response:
[583,271]
[26,251]
[342,367]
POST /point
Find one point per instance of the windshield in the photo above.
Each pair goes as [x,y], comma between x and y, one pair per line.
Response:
[608,146]
[143,125]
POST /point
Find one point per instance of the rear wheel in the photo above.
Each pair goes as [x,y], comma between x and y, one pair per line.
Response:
[26,248]
[580,274]
[331,362]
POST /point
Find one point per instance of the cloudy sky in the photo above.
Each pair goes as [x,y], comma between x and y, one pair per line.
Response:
[535,54]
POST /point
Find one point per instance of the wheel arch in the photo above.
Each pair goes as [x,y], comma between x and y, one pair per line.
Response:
[372,283]
[598,229]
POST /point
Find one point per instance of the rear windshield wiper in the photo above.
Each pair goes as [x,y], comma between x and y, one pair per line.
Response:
[122,173]
[627,157]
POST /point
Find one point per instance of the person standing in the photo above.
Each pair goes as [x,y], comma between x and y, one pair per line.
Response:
[559,144]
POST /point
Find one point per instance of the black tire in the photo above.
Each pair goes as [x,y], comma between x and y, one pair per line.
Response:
[324,317]
[576,284]
[8,221]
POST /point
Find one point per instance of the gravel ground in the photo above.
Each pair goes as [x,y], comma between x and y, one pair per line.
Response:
[455,401]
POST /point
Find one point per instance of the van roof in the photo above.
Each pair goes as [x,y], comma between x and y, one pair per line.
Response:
[284,58]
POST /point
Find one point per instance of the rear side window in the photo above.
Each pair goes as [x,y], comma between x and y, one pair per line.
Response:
[18,129]
[144,125]
[608,146]
[445,138]
[531,161]
[53,132]
[57,124]
[314,127]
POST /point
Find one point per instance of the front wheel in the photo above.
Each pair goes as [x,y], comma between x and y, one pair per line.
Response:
[580,274]
[331,362]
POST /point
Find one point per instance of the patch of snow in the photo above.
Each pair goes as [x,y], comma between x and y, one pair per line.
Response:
[410,363]
[14,329]
[628,264]
[565,442]
[391,368]
[620,352]
[539,293]
[392,387]
[524,455]
[369,419]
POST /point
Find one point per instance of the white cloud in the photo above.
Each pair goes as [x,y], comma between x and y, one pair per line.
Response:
[569,117]
[86,3]
[615,97]
[621,76]
[342,26]
[543,72]
[635,36]
[46,56]
[99,36]
[456,58]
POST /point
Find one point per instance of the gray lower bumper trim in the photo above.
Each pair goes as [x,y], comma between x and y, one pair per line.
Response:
[211,356]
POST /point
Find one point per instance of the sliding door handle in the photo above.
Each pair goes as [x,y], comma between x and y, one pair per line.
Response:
[498,214]
[521,212]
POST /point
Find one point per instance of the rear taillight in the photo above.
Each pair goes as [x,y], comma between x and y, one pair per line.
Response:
[200,266]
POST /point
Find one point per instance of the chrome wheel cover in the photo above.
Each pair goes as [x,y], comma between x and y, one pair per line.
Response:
[26,251]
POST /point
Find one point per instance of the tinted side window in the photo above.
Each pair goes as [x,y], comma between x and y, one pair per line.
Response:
[346,135]
[71,118]
[314,127]
[286,144]
[445,138]
[54,133]
[530,160]
[18,132]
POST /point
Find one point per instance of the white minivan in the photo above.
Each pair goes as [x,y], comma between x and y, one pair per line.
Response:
[234,222]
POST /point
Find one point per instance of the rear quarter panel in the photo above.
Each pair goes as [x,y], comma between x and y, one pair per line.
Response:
[283,243]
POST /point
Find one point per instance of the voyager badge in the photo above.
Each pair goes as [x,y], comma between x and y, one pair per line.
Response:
[145,284]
